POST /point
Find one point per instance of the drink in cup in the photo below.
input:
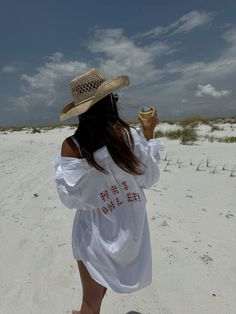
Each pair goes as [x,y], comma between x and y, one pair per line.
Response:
[146,112]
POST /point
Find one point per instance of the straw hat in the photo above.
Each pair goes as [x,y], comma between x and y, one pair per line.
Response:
[89,88]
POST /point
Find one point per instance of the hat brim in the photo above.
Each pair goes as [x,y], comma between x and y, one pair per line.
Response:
[72,109]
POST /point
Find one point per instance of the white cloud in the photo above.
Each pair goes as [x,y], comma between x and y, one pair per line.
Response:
[192,20]
[154,32]
[44,87]
[230,38]
[173,85]
[20,103]
[56,56]
[185,24]
[122,55]
[209,90]
[118,54]
[9,68]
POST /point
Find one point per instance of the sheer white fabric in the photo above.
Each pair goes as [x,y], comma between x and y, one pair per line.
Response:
[110,231]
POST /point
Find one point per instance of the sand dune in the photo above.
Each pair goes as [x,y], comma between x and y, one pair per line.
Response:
[192,216]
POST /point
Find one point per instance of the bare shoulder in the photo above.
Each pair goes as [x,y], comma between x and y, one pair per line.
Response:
[69,149]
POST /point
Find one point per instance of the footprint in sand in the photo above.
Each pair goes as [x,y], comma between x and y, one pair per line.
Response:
[164,224]
[229,215]
[172,253]
[206,258]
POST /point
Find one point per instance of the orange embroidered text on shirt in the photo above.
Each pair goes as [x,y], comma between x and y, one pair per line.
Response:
[112,202]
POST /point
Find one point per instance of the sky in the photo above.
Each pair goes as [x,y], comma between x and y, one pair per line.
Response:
[180,56]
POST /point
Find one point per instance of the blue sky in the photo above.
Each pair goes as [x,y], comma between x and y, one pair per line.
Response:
[180,55]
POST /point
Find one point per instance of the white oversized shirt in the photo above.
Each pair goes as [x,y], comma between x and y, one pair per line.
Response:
[110,231]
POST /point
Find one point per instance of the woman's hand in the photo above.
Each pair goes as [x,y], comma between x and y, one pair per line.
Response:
[149,124]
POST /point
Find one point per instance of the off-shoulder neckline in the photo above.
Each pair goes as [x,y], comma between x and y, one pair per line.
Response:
[97,153]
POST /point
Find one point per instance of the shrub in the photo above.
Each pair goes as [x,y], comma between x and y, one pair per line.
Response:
[35,130]
[159,133]
[174,135]
[194,121]
[16,128]
[4,129]
[50,127]
[189,136]
[171,122]
[227,139]
[211,138]
[215,128]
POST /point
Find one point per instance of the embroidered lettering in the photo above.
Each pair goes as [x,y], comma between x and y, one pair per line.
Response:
[111,202]
[105,210]
[125,185]
[104,195]
[111,206]
[118,201]
[114,189]
[133,197]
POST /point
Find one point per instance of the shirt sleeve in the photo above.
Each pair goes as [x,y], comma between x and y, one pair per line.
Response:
[148,153]
[67,176]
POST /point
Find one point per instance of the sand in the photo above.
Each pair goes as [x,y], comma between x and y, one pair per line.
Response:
[192,216]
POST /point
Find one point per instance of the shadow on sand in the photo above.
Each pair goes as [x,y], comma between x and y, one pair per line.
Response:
[133,312]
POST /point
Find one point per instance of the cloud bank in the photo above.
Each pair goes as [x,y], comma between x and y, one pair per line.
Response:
[209,90]
[176,87]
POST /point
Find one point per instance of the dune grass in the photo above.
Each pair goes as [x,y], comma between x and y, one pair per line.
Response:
[13,128]
[197,119]
[227,139]
[35,130]
[187,135]
[194,121]
[216,128]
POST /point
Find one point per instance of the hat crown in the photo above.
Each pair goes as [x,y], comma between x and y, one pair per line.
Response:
[88,88]
[84,86]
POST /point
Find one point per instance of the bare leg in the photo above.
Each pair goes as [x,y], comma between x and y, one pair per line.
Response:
[93,292]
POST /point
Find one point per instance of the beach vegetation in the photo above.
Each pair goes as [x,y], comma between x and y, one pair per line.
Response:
[35,130]
[211,138]
[194,121]
[159,134]
[174,135]
[227,139]
[216,128]
[50,127]
[231,120]
[17,128]
[171,122]
[189,136]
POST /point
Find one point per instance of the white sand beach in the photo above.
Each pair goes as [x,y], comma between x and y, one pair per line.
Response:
[192,217]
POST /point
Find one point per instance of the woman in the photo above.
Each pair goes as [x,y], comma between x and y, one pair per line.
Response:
[102,171]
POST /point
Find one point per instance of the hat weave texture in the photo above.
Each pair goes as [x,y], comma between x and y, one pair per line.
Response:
[89,88]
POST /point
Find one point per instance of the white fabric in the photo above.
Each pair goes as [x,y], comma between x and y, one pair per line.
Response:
[110,231]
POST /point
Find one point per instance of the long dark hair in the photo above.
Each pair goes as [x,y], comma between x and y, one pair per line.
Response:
[101,125]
